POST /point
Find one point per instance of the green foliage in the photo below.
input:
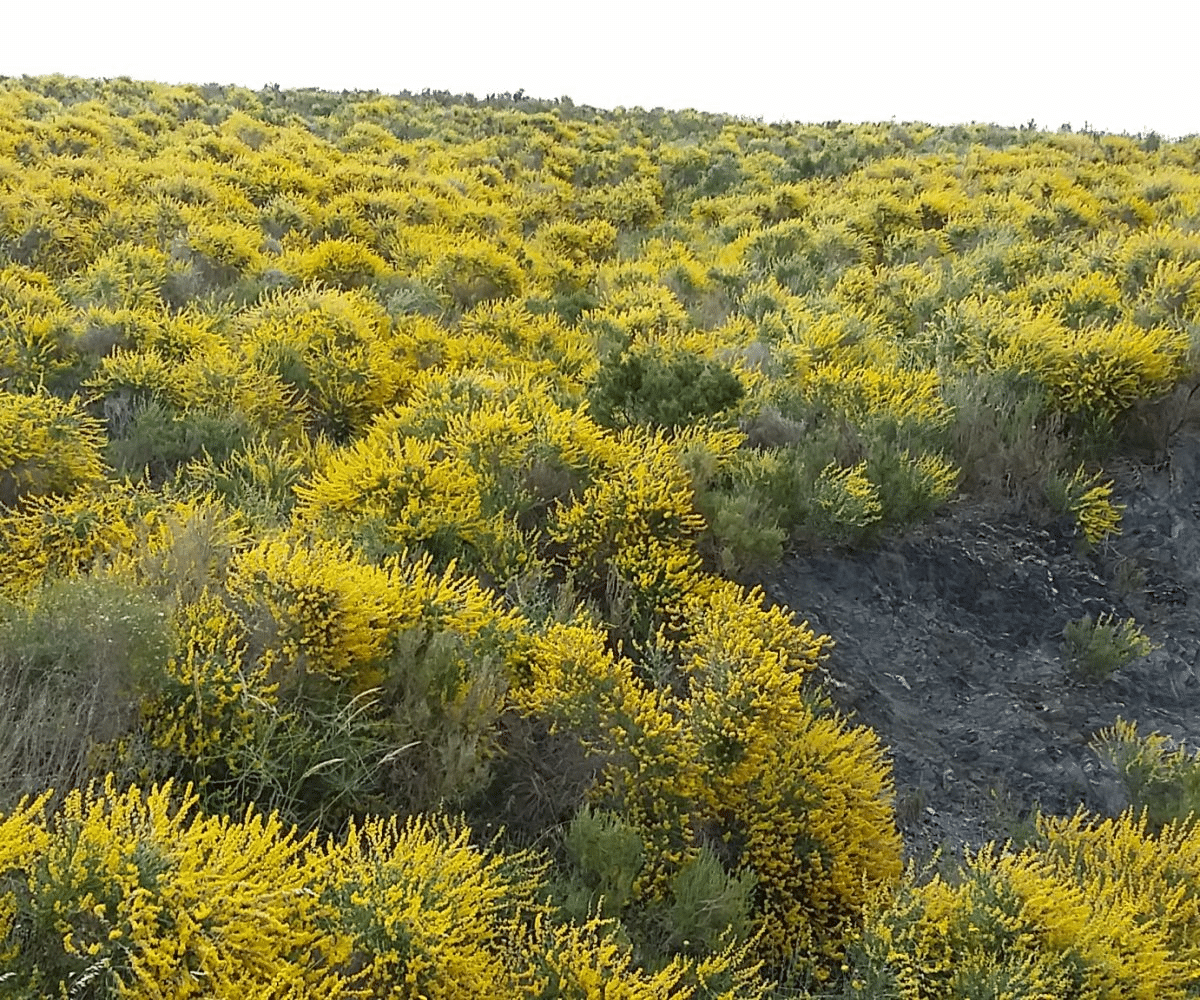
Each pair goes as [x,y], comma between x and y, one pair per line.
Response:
[1098,647]
[745,534]
[709,906]
[661,390]
[608,855]
[156,441]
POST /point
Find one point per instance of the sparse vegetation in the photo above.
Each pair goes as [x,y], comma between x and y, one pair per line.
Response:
[1096,647]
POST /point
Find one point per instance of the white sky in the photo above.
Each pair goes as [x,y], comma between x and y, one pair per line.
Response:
[1130,69]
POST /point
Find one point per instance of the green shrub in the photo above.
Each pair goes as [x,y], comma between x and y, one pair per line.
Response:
[709,906]
[661,389]
[745,534]
[607,855]
[704,910]
[1098,647]
[1002,435]
[157,441]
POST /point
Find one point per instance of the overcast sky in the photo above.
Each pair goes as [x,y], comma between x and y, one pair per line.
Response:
[944,62]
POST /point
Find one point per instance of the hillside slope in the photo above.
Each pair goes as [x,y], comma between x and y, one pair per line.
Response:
[950,645]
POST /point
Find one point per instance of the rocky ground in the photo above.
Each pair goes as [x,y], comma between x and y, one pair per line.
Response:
[949,644]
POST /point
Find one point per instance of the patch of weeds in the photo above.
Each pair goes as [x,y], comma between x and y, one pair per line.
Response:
[1128,578]
[75,659]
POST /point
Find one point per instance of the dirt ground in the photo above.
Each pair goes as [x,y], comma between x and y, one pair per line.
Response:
[949,646]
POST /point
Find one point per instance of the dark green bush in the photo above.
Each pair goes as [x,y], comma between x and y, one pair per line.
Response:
[661,390]
[157,441]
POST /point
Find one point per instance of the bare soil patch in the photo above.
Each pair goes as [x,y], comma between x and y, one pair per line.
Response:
[949,646]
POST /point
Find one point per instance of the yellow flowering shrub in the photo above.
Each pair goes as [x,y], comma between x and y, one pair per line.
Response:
[637,524]
[47,446]
[1095,909]
[587,962]
[312,608]
[326,684]
[218,252]
[22,839]
[332,347]
[848,498]
[1090,502]
[467,269]
[429,914]
[47,536]
[205,700]
[526,345]
[339,263]
[734,745]
[37,332]
[867,393]
[136,895]
[410,492]
[807,798]
[461,470]
[126,276]
[573,679]
[140,375]
[1099,371]
[1161,775]
[718,621]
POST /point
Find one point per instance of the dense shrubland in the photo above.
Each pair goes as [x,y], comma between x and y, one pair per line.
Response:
[383,470]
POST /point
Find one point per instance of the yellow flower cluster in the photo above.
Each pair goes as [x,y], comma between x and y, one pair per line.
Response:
[66,535]
[47,446]
[1100,372]
[156,901]
[876,393]
[637,524]
[332,347]
[292,619]
[205,703]
[136,894]
[1097,909]
[1091,502]
[313,608]
[733,744]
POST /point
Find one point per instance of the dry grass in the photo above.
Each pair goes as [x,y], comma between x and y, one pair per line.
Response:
[74,659]
[1004,440]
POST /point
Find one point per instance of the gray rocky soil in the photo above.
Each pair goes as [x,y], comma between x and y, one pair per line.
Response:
[949,645]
